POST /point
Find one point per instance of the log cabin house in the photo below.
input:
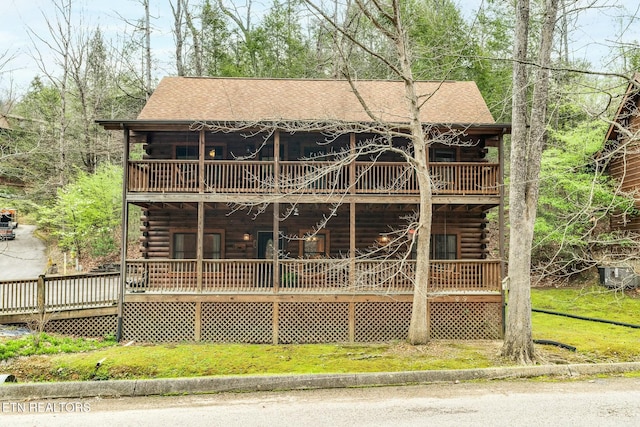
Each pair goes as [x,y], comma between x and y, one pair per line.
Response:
[621,153]
[234,177]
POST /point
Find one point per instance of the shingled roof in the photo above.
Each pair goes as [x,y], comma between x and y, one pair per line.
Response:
[248,100]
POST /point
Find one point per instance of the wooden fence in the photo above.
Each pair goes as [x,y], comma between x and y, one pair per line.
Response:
[56,293]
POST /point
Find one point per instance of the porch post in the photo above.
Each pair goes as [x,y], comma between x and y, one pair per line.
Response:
[200,237]
[352,244]
[125,232]
[199,249]
[501,235]
[201,155]
[352,212]
[276,212]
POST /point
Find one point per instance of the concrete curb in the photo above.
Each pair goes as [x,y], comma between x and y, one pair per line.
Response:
[82,389]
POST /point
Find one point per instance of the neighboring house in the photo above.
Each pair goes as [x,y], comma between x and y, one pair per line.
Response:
[4,123]
[209,272]
[622,151]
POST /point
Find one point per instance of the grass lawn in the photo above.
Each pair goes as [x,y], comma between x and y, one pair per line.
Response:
[63,358]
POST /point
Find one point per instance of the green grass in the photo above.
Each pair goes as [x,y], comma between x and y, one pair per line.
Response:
[49,344]
[188,360]
[63,358]
[595,342]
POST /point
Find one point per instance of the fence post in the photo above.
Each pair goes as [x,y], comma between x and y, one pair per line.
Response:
[41,300]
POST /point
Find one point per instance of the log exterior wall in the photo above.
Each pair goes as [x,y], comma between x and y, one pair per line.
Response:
[284,315]
[625,165]
[158,224]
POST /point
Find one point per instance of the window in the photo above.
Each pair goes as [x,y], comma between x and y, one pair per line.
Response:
[190,152]
[187,152]
[443,155]
[315,246]
[214,152]
[444,246]
[185,246]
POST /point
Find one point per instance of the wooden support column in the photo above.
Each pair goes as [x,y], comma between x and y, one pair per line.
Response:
[41,299]
[201,157]
[198,322]
[200,238]
[125,231]
[501,233]
[352,322]
[352,213]
[276,212]
[352,245]
[352,165]
[275,322]
[200,248]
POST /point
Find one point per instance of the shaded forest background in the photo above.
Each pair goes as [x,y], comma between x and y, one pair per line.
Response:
[63,171]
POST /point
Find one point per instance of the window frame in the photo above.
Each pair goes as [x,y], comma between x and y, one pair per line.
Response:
[220,232]
[301,249]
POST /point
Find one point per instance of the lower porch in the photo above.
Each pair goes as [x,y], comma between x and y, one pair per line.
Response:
[306,300]
[308,276]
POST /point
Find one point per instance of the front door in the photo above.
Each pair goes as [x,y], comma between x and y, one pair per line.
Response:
[265,244]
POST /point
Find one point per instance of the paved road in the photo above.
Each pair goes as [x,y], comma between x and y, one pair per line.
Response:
[24,257]
[601,402]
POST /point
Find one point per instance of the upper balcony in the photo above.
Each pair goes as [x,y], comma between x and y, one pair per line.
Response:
[309,178]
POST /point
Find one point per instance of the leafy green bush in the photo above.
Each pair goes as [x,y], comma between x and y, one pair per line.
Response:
[86,213]
[576,199]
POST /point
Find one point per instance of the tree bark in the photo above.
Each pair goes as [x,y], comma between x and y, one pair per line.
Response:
[526,154]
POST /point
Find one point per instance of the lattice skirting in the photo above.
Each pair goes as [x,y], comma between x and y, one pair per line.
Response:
[466,320]
[159,321]
[237,322]
[94,327]
[303,322]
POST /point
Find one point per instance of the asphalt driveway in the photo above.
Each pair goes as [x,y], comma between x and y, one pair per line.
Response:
[22,258]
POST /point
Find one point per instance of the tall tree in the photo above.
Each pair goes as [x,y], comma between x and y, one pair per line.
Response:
[245,48]
[281,48]
[215,37]
[390,20]
[493,33]
[441,40]
[527,141]
[59,43]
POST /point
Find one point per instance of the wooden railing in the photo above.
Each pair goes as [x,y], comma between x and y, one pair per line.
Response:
[308,276]
[18,296]
[385,177]
[56,293]
[181,276]
[464,178]
[81,291]
[308,177]
[296,276]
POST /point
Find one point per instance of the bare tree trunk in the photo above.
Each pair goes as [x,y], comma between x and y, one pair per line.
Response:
[58,42]
[177,33]
[195,40]
[147,47]
[387,18]
[419,328]
[526,155]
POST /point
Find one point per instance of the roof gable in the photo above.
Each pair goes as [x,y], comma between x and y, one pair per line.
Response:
[249,100]
[626,107]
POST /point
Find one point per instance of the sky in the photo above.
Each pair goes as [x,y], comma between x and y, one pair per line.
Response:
[595,31]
